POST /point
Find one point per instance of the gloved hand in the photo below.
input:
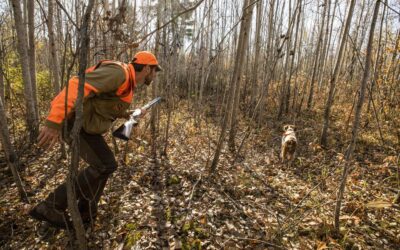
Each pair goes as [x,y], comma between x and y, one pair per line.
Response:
[136,112]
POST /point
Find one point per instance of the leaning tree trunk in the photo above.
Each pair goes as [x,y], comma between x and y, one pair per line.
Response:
[11,157]
[333,79]
[72,203]
[357,115]
[244,27]
[240,57]
[22,42]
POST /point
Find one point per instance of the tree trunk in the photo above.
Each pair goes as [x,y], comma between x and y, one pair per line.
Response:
[31,52]
[317,55]
[11,157]
[72,203]
[298,53]
[322,58]
[54,65]
[244,26]
[357,115]
[268,53]
[284,87]
[2,90]
[22,42]
[256,67]
[332,84]
[293,55]
[240,57]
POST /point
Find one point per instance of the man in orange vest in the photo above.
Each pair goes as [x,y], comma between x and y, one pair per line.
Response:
[108,93]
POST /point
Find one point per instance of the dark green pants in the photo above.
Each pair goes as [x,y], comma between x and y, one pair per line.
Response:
[90,181]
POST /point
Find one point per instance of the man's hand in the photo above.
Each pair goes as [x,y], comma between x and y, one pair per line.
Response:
[128,113]
[48,137]
[142,112]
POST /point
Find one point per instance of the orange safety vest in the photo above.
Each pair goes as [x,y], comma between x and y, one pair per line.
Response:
[124,94]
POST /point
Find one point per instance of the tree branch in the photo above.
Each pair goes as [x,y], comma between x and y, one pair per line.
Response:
[69,17]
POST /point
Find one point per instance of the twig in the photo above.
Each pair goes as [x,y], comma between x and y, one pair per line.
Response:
[136,44]
[239,206]
[387,5]
[192,192]
[69,17]
[170,21]
[261,241]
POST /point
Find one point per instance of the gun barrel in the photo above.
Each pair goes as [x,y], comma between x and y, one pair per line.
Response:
[151,103]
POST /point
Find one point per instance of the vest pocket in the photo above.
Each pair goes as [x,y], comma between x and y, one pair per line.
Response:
[100,113]
[96,124]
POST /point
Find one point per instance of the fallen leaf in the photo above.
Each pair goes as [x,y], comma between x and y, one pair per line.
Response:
[379,204]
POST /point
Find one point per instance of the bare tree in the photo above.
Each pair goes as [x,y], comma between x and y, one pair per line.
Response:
[244,27]
[11,157]
[54,64]
[332,82]
[2,90]
[22,42]
[237,74]
[315,71]
[72,202]
[257,61]
[31,51]
[360,102]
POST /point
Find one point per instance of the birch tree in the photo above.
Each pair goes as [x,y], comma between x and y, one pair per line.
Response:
[237,74]
[244,27]
[54,64]
[332,82]
[315,71]
[22,45]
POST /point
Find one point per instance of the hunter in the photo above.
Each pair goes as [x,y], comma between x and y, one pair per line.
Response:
[108,93]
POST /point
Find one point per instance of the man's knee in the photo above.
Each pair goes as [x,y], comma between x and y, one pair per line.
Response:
[107,168]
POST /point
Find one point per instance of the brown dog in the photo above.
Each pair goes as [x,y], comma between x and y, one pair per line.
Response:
[289,144]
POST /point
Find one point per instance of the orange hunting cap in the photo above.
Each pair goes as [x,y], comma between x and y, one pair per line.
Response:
[146,58]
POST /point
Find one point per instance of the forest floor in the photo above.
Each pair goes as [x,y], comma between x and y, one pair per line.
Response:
[253,203]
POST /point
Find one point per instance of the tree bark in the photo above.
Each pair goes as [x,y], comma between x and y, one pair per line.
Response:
[32,52]
[244,26]
[332,83]
[22,45]
[240,57]
[54,64]
[293,54]
[317,55]
[357,116]
[256,66]
[72,203]
[11,157]
[2,89]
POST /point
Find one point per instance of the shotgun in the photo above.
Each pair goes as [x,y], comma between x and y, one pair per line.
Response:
[125,130]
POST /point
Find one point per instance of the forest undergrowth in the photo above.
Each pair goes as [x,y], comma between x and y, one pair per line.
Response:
[251,202]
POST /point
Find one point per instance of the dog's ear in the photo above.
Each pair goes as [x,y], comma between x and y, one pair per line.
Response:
[285,128]
[294,127]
